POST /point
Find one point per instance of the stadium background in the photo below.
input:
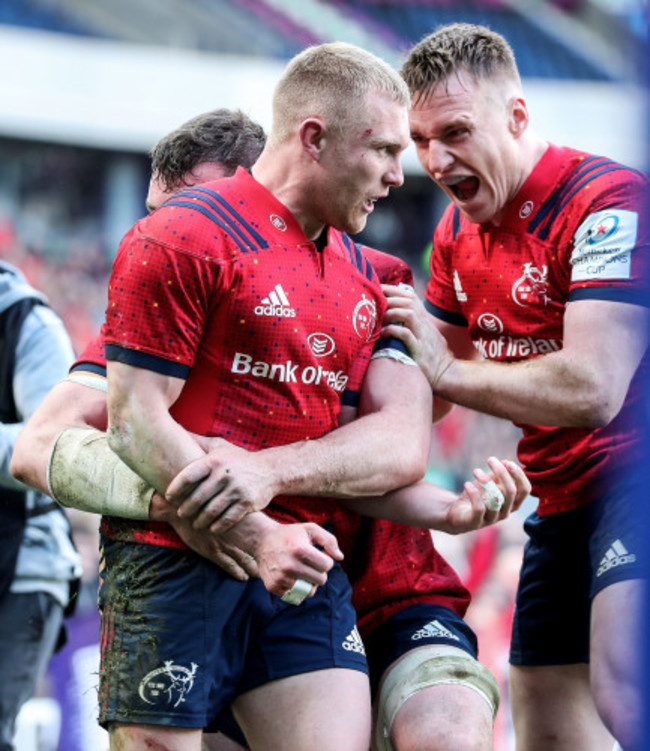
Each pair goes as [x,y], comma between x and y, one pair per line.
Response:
[86,88]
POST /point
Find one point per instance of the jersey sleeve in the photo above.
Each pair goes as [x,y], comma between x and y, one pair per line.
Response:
[609,255]
[440,297]
[390,269]
[93,358]
[158,302]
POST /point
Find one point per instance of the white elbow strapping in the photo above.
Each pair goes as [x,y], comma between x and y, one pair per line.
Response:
[424,667]
[394,354]
[84,473]
[92,380]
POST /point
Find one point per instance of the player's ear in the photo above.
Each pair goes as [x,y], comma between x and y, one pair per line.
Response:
[313,137]
[517,116]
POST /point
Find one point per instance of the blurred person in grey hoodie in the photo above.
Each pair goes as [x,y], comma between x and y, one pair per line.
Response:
[39,565]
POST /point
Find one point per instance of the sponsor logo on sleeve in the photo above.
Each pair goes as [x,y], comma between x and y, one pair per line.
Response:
[278,222]
[603,245]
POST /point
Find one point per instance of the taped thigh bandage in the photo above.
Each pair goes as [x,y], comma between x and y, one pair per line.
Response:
[425,667]
[84,473]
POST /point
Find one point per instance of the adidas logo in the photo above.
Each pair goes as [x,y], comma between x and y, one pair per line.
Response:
[432,629]
[353,642]
[276,304]
[458,289]
[616,555]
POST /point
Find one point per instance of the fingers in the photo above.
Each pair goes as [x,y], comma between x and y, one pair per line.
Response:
[209,503]
[399,317]
[193,481]
[207,495]
[398,331]
[290,553]
[479,510]
[522,482]
[326,540]
[399,294]
[510,480]
[230,566]
[222,513]
[245,562]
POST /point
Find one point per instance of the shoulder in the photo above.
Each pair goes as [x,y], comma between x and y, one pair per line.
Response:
[389,268]
[204,219]
[597,181]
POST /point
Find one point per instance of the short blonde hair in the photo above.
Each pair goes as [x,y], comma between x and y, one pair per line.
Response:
[331,80]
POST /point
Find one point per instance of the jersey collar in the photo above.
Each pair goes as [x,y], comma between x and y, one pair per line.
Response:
[276,222]
[535,190]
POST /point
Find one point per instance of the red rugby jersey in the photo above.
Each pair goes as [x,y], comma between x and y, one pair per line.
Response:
[576,230]
[392,566]
[221,287]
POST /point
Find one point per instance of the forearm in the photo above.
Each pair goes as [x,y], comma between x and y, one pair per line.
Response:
[84,473]
[386,447]
[359,459]
[584,384]
[155,451]
[489,497]
[141,431]
[547,390]
[418,505]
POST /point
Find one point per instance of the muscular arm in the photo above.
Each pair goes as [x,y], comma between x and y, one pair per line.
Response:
[71,404]
[582,385]
[68,404]
[423,504]
[386,448]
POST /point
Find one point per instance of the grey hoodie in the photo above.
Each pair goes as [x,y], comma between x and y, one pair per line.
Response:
[47,560]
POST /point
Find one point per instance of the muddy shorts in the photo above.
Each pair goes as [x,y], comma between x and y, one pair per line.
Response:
[180,639]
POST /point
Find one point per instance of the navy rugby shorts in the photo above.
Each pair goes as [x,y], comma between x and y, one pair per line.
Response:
[570,557]
[416,626]
[422,625]
[181,639]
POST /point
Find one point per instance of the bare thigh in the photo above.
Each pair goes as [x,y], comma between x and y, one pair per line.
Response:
[220,742]
[328,710]
[153,737]
[616,653]
[553,710]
